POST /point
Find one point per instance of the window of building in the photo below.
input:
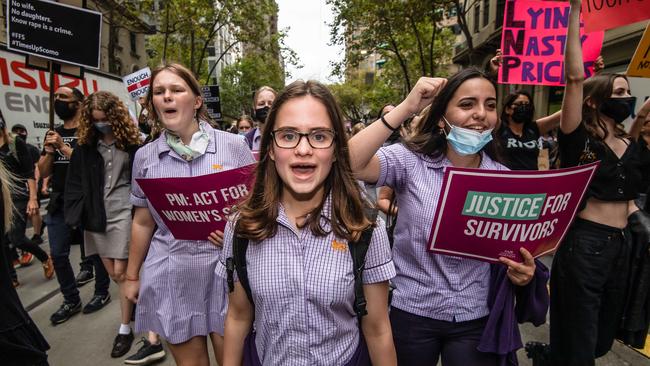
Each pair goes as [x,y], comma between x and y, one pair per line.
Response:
[211,52]
[477,17]
[134,47]
[486,12]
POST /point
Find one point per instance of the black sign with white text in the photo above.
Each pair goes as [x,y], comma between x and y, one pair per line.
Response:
[212,101]
[54,31]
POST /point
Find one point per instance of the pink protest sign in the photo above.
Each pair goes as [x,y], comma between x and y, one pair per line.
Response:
[485,214]
[533,42]
[193,207]
[607,14]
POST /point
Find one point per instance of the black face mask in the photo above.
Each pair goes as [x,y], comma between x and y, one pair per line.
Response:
[261,113]
[522,113]
[63,110]
[618,109]
[22,137]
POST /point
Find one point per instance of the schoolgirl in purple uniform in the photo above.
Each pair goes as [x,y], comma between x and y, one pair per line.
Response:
[304,209]
[177,294]
[440,304]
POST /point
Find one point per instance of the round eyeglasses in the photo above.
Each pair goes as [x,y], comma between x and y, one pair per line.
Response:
[287,138]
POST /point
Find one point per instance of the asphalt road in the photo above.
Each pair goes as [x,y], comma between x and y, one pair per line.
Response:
[86,340]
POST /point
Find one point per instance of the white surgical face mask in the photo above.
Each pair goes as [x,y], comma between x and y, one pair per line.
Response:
[466,141]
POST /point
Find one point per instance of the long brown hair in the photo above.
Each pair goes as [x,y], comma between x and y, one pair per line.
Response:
[430,140]
[187,76]
[596,90]
[124,129]
[258,213]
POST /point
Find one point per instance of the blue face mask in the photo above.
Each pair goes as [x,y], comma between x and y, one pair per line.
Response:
[103,127]
[465,141]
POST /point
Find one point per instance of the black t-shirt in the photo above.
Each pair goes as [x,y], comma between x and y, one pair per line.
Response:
[520,153]
[34,152]
[20,164]
[616,179]
[61,162]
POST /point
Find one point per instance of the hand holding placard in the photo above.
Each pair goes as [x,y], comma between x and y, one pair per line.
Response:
[533,43]
[195,208]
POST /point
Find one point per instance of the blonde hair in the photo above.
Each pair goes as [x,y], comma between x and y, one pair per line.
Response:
[260,90]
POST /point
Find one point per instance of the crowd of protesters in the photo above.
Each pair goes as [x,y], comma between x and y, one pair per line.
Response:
[306,272]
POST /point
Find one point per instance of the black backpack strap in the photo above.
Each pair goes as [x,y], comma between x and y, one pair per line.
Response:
[391,220]
[358,250]
[238,263]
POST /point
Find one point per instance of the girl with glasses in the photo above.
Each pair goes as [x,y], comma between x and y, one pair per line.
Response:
[301,221]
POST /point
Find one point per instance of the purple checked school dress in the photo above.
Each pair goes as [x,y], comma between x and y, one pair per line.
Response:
[180,297]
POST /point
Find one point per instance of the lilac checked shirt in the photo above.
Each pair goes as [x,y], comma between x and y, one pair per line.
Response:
[435,286]
[303,289]
[179,296]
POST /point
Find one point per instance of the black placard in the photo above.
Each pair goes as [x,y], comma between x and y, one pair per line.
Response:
[212,101]
[54,31]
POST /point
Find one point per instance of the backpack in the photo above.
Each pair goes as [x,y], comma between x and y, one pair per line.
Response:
[391,220]
[357,249]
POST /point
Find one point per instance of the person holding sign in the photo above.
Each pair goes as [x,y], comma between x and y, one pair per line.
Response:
[98,186]
[440,306]
[175,288]
[304,219]
[590,267]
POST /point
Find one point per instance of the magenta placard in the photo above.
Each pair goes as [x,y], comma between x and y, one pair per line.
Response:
[486,214]
[193,207]
[533,42]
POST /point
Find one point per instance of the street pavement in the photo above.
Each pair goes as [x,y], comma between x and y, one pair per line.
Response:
[86,340]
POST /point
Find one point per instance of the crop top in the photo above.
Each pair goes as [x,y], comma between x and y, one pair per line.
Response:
[616,179]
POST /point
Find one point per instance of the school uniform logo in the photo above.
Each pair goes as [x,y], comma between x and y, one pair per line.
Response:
[339,246]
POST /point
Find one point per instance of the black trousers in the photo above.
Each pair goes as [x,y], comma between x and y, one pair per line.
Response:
[17,232]
[421,341]
[587,292]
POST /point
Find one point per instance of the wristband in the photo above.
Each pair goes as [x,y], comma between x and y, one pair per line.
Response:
[131,278]
[383,120]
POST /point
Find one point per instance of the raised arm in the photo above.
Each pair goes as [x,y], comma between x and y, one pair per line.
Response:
[575,73]
[365,144]
[549,123]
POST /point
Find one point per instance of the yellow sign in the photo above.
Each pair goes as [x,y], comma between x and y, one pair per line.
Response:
[640,64]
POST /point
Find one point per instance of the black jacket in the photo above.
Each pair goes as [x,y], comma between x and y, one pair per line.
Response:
[84,192]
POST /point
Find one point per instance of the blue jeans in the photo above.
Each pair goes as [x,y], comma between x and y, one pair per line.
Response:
[60,235]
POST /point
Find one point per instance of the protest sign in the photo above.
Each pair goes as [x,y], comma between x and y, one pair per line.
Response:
[607,14]
[640,63]
[137,83]
[212,101]
[485,214]
[533,42]
[193,207]
[54,31]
